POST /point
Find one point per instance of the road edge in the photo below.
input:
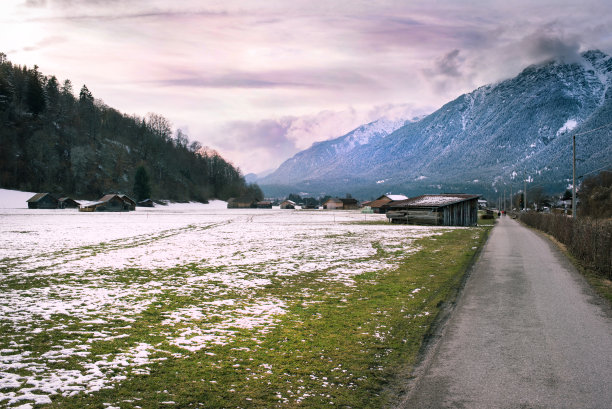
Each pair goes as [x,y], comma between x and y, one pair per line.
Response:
[436,331]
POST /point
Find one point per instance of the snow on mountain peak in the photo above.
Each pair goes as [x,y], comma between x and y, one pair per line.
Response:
[367,133]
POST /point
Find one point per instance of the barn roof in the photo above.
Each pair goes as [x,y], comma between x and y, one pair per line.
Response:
[127,198]
[67,199]
[349,200]
[434,200]
[108,197]
[379,202]
[38,196]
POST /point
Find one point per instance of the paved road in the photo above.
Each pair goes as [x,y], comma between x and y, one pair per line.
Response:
[527,332]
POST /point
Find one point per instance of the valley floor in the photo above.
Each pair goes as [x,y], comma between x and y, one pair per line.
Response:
[201,306]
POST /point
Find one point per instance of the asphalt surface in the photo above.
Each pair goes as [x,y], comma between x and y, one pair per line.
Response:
[527,332]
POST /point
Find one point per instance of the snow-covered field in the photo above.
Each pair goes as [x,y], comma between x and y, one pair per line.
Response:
[71,283]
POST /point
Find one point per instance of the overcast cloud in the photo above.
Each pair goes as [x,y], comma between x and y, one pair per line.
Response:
[259,81]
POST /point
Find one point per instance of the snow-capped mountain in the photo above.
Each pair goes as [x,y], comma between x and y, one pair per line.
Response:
[481,142]
[312,162]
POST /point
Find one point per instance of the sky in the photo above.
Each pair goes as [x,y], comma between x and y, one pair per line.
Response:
[259,81]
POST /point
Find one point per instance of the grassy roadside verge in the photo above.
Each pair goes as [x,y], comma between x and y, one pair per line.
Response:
[336,345]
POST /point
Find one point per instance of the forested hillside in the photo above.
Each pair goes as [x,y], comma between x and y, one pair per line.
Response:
[54,141]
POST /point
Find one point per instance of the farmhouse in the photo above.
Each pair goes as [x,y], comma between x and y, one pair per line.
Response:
[42,201]
[380,205]
[436,210]
[68,203]
[287,204]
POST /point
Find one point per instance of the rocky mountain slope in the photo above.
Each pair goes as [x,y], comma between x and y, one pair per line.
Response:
[482,142]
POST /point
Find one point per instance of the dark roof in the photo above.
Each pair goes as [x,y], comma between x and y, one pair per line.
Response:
[108,197]
[433,200]
[349,201]
[379,202]
[39,196]
[127,198]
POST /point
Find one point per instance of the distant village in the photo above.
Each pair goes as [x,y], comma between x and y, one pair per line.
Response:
[430,209]
[436,210]
[442,209]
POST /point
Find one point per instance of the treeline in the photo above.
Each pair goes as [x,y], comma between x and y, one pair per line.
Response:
[54,141]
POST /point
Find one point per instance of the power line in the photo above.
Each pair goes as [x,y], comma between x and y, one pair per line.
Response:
[609,165]
[593,130]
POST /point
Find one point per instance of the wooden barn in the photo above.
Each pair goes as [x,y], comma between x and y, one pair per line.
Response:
[241,203]
[287,204]
[68,203]
[43,201]
[381,204]
[335,203]
[436,210]
[130,202]
[145,203]
[108,203]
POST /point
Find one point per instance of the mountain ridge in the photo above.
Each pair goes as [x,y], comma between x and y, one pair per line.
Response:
[479,141]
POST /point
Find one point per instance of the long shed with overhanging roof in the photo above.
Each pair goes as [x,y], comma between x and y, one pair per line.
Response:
[436,210]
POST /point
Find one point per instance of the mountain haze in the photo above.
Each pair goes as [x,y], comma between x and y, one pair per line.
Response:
[481,142]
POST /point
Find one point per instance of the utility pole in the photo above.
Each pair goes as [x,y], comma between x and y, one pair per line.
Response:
[525,192]
[511,199]
[574,177]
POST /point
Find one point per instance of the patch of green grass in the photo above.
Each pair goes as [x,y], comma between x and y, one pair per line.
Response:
[336,345]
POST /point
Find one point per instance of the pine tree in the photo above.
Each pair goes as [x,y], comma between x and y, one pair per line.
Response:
[142,188]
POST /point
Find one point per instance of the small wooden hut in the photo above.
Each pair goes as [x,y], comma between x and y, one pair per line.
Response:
[68,203]
[145,203]
[42,201]
[129,201]
[436,210]
[349,203]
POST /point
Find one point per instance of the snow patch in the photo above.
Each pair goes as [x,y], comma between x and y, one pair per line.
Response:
[569,125]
